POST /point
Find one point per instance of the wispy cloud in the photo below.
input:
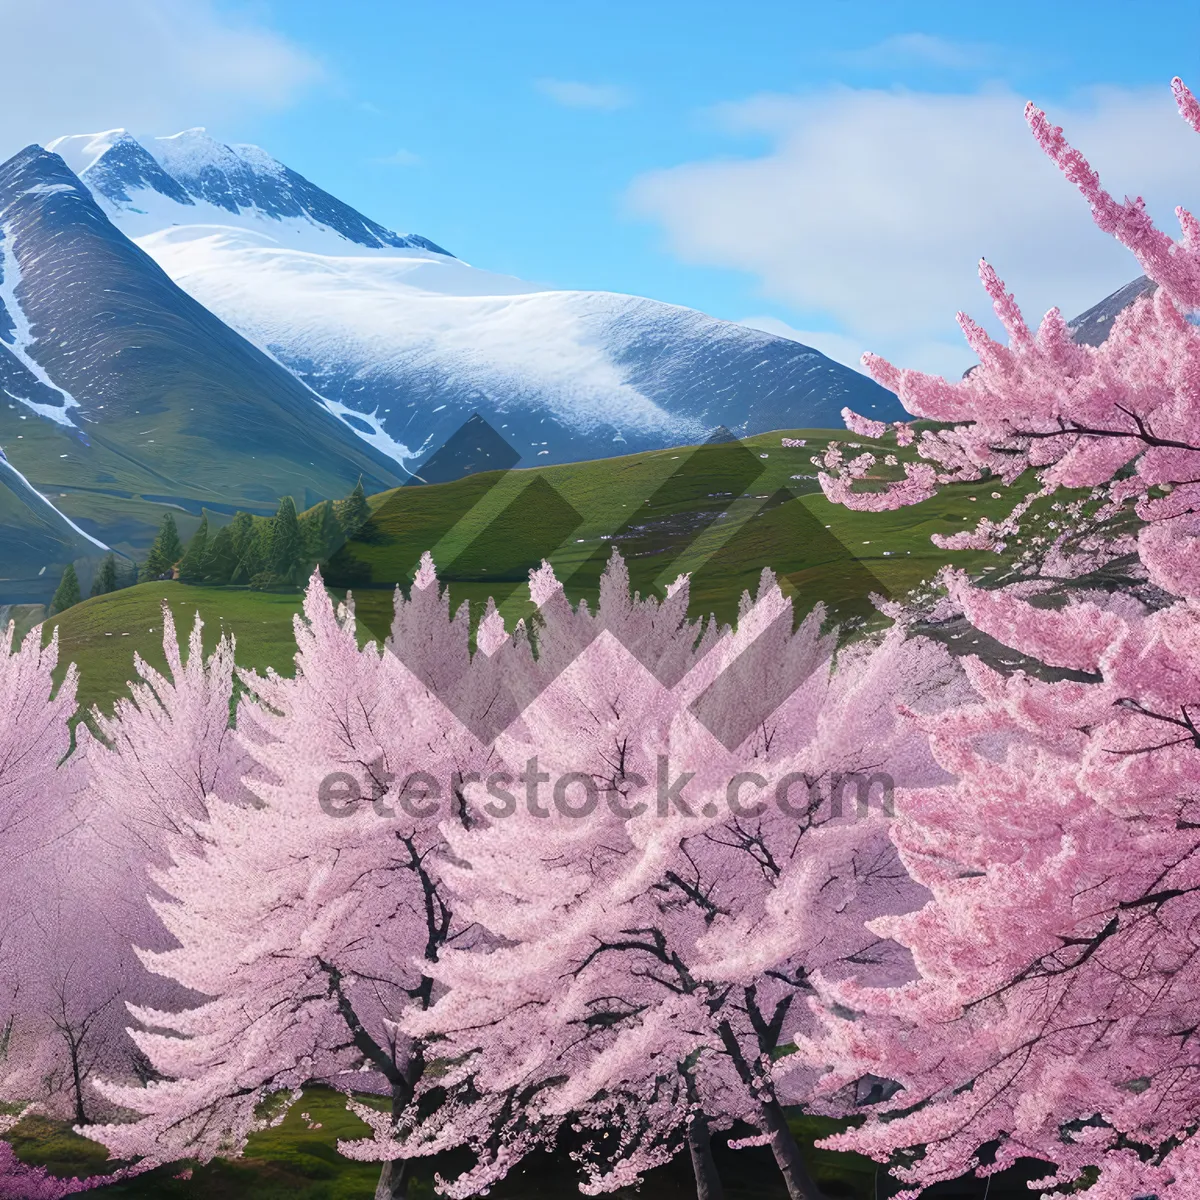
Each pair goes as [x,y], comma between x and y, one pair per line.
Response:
[871,209]
[603,97]
[400,158]
[923,50]
[143,64]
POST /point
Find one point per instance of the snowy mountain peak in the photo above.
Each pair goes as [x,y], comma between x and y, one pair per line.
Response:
[80,151]
[402,343]
[190,178]
[116,167]
[197,160]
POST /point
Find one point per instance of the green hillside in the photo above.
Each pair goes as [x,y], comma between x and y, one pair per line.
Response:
[102,634]
[36,543]
[665,510]
[721,512]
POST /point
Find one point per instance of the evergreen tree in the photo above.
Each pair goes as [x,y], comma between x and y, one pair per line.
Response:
[354,512]
[254,558]
[321,532]
[222,560]
[244,533]
[166,551]
[68,593]
[286,552]
[241,530]
[106,577]
[192,565]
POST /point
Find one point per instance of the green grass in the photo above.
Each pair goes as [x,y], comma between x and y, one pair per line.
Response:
[102,634]
[295,1161]
[290,1160]
[487,531]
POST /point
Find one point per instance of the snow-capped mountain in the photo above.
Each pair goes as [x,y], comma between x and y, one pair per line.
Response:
[403,342]
[216,184]
[120,394]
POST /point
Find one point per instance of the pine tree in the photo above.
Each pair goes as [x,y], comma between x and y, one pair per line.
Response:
[244,533]
[192,565]
[221,561]
[68,593]
[354,512]
[254,567]
[166,551]
[286,548]
[106,577]
[322,533]
[241,530]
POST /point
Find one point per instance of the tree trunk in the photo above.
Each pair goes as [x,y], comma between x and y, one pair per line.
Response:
[799,1182]
[708,1182]
[81,1117]
[393,1180]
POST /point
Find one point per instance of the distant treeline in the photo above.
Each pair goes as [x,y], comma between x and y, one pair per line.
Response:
[258,552]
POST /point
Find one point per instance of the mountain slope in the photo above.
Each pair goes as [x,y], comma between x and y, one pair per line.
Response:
[36,541]
[405,342]
[1091,328]
[121,393]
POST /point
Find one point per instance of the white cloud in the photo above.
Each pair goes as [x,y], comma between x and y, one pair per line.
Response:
[605,97]
[401,158]
[937,357]
[74,66]
[873,208]
[922,50]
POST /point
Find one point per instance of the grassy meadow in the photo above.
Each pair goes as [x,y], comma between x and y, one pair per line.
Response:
[721,512]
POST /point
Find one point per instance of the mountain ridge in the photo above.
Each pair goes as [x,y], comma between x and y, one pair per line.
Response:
[122,394]
[195,171]
[404,342]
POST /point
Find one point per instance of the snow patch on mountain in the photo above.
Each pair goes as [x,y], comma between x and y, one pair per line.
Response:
[18,338]
[367,426]
[57,511]
[397,314]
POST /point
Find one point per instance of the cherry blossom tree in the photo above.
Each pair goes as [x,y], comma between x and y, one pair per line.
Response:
[303,920]
[1056,957]
[39,817]
[47,1004]
[35,802]
[1055,1005]
[1121,415]
[154,764]
[650,928]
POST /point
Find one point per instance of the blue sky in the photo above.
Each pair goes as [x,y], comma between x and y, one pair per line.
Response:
[832,169]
